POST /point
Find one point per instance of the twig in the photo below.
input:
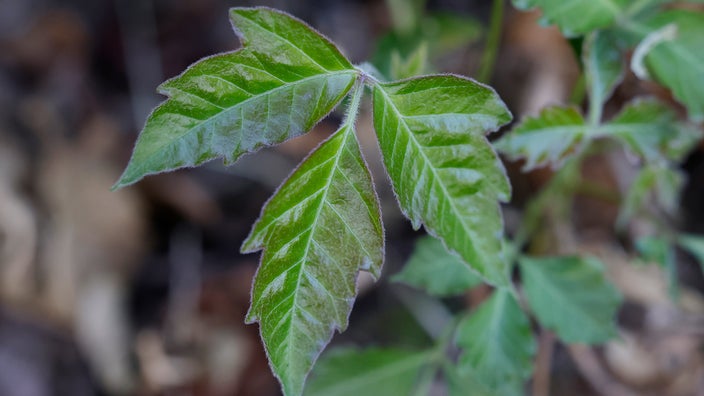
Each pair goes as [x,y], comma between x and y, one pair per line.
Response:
[543,363]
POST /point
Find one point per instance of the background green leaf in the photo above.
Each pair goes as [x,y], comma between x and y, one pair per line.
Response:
[604,68]
[694,244]
[651,130]
[372,371]
[679,63]
[432,268]
[279,86]
[661,182]
[497,342]
[576,17]
[317,231]
[443,170]
[546,139]
[571,296]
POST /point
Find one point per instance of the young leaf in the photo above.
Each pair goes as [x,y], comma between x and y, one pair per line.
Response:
[317,232]
[576,17]
[679,63]
[443,170]
[285,79]
[694,244]
[497,341]
[352,372]
[571,296]
[650,129]
[432,268]
[604,68]
[548,138]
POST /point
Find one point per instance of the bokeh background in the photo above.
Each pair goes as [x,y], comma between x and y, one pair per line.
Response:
[143,291]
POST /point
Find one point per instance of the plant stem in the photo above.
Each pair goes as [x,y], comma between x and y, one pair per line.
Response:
[492,41]
[353,107]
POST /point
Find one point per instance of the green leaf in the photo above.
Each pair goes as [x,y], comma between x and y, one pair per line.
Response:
[571,296]
[549,138]
[604,68]
[432,268]
[446,32]
[576,17]
[415,64]
[463,382]
[285,79]
[443,170]
[497,341]
[317,232]
[352,372]
[694,244]
[663,182]
[660,251]
[650,129]
[679,63]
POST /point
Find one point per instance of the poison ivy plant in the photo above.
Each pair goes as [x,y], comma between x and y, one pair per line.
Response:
[323,225]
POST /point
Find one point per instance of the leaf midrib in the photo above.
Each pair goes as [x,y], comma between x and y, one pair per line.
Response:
[458,215]
[201,123]
[313,227]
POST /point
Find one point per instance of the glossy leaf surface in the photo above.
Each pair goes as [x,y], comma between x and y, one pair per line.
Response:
[317,232]
[443,170]
[352,372]
[576,17]
[285,79]
[571,296]
[433,269]
[679,63]
[546,139]
[497,342]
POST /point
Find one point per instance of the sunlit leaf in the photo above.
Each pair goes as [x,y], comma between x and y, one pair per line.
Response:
[443,170]
[352,372]
[576,17]
[549,138]
[432,268]
[317,232]
[285,79]
[679,63]
[571,296]
[497,342]
[651,130]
